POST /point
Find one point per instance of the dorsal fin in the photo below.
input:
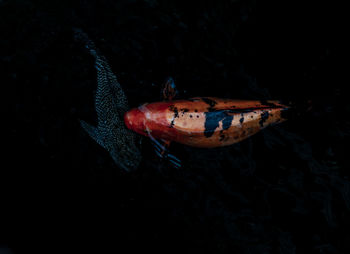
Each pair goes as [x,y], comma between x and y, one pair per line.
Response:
[169,90]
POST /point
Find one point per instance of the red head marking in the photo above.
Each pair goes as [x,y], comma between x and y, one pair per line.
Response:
[135,120]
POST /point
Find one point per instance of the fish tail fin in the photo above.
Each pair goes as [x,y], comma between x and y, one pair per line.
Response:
[93,132]
[297,108]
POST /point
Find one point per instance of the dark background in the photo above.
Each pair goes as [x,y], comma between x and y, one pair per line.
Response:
[285,190]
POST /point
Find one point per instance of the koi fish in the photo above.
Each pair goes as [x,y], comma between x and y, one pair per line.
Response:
[198,122]
[204,121]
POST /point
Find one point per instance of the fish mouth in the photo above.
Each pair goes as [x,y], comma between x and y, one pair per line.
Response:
[128,120]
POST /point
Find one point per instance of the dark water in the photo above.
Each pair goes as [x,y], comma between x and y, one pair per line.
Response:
[285,190]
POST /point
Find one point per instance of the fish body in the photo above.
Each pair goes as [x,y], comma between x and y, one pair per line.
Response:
[204,121]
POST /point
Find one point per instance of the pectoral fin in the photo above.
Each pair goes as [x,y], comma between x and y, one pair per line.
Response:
[169,90]
[161,149]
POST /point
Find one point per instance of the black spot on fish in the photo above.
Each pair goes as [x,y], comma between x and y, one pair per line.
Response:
[264,117]
[175,110]
[184,110]
[176,114]
[197,116]
[210,102]
[195,110]
[191,116]
[213,118]
[242,119]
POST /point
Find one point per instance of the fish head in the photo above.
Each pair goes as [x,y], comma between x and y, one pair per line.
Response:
[135,120]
